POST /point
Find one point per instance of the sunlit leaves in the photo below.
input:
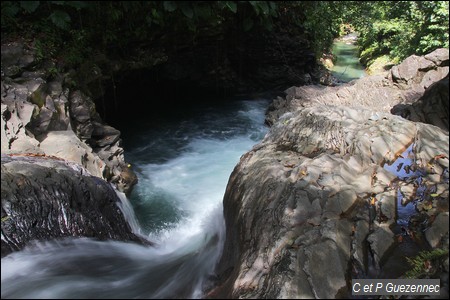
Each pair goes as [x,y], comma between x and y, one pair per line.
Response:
[401,28]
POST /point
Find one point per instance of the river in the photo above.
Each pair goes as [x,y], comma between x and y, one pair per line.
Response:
[183,165]
[347,66]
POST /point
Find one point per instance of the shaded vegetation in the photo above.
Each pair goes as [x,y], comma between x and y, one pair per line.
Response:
[73,31]
[79,27]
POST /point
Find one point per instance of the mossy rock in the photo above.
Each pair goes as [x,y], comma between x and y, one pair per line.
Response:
[380,64]
[38,96]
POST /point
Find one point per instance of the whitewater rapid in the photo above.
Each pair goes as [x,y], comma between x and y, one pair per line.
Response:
[183,167]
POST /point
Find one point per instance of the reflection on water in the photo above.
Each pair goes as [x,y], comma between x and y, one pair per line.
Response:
[407,243]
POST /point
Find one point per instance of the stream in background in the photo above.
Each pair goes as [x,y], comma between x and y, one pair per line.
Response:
[347,66]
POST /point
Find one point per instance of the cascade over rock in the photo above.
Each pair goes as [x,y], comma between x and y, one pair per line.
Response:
[56,151]
[45,198]
[54,115]
[306,206]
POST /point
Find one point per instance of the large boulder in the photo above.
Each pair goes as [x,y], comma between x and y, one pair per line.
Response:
[315,205]
[297,206]
[431,108]
[66,145]
[45,198]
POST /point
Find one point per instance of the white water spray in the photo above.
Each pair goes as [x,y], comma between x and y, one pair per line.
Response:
[178,202]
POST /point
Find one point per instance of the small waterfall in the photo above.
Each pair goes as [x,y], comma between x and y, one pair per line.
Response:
[183,168]
[128,213]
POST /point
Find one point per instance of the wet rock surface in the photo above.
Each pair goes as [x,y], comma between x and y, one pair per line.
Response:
[314,205]
[46,198]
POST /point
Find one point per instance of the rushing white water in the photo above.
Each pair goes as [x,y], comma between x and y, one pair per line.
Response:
[183,168]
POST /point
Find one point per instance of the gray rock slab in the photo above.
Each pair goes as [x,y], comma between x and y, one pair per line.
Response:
[438,229]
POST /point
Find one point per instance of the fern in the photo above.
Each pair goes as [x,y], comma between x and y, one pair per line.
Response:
[420,262]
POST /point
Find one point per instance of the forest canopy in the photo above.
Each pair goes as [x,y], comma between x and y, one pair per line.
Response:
[399,28]
[74,30]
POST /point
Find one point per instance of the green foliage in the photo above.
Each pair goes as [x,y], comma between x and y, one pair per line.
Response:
[345,29]
[71,26]
[380,64]
[76,28]
[169,6]
[231,6]
[186,9]
[423,264]
[318,20]
[53,71]
[399,28]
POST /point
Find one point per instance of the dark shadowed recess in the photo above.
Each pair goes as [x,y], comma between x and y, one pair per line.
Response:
[147,94]
[150,95]
[215,69]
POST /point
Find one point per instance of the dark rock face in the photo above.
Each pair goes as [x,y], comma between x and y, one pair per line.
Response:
[431,108]
[15,58]
[306,206]
[44,198]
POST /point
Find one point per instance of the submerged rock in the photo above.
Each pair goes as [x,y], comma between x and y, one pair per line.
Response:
[45,198]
